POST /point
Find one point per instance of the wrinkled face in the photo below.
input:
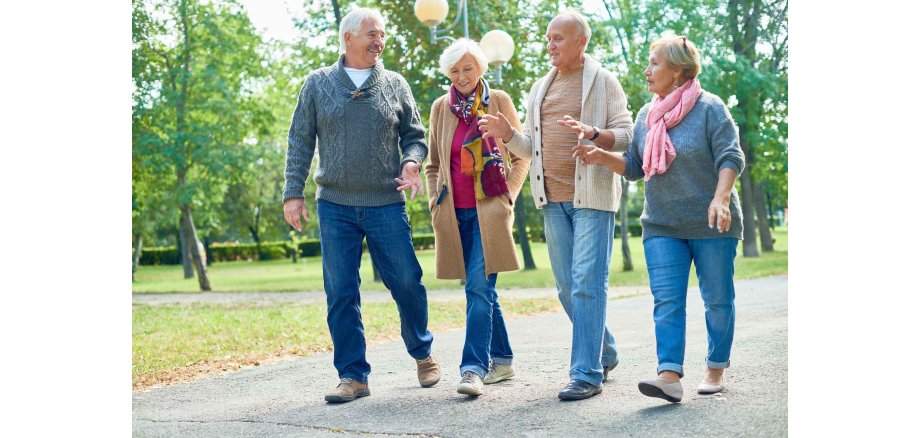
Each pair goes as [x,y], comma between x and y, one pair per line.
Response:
[465,74]
[563,43]
[364,49]
[659,75]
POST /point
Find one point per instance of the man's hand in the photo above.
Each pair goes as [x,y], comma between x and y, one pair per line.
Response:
[580,129]
[410,179]
[294,208]
[498,127]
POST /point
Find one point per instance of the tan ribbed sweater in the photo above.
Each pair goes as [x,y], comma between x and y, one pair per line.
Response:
[496,214]
[603,105]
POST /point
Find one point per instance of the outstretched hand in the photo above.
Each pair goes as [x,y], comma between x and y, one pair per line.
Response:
[497,127]
[410,179]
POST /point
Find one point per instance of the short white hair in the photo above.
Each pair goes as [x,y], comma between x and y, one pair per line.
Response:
[581,23]
[352,22]
[457,49]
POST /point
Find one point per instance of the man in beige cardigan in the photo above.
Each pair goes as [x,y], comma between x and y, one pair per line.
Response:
[577,102]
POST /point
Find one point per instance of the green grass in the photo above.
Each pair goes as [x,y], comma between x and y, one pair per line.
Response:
[172,342]
[283,275]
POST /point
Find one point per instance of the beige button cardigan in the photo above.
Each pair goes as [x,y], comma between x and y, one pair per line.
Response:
[496,214]
[603,105]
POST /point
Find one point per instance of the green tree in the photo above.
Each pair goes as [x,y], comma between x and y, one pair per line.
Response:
[196,67]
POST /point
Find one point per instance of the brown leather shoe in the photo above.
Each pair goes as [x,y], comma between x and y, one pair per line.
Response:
[429,372]
[347,391]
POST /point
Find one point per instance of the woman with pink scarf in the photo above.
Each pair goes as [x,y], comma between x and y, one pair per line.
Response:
[685,146]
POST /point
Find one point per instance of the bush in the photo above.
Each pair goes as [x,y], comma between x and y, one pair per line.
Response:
[166,255]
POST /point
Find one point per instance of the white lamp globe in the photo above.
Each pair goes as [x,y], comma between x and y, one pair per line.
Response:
[431,12]
[498,47]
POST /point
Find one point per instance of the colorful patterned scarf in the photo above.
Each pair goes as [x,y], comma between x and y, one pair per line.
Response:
[480,158]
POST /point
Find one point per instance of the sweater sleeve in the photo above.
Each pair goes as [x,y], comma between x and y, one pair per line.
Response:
[301,144]
[633,156]
[723,138]
[411,131]
[618,115]
[521,143]
[434,161]
[519,164]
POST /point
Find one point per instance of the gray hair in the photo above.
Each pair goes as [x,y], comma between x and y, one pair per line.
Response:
[352,22]
[457,49]
[581,23]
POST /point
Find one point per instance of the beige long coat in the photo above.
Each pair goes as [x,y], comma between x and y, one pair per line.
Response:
[496,214]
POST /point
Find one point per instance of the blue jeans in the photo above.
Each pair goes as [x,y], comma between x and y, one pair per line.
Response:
[486,335]
[668,263]
[580,241]
[342,229]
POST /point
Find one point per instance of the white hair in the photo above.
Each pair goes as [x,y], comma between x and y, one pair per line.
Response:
[457,49]
[352,22]
[581,23]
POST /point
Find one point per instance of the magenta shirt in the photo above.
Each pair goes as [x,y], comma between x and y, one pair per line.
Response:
[464,191]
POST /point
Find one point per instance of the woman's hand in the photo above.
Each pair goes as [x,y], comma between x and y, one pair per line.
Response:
[580,129]
[590,154]
[498,127]
[720,216]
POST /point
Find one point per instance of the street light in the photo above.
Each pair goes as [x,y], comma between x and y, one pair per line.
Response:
[499,48]
[497,45]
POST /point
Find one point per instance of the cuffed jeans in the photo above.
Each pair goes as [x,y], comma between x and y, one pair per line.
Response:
[580,241]
[342,229]
[668,261]
[486,335]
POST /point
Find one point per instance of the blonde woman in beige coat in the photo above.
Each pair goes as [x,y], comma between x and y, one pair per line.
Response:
[472,185]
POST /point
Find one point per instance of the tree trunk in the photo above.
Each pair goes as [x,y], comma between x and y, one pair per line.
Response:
[191,236]
[184,254]
[520,219]
[749,248]
[138,241]
[770,210]
[338,13]
[766,237]
[624,227]
[255,237]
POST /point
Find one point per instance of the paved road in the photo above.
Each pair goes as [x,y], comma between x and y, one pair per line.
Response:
[269,298]
[286,399]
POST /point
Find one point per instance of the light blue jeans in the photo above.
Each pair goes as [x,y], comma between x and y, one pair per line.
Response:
[486,335]
[579,241]
[668,261]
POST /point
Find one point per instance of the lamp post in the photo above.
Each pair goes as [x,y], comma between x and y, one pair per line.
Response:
[497,44]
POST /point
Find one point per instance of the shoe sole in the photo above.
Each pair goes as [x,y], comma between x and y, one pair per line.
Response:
[343,399]
[429,385]
[580,397]
[707,392]
[654,391]
[469,391]
[498,379]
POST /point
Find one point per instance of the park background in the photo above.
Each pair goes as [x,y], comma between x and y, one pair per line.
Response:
[213,95]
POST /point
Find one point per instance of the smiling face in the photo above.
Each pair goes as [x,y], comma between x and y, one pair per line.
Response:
[364,49]
[563,43]
[465,74]
[660,76]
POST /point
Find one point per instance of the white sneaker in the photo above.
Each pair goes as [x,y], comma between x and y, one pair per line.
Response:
[470,384]
[497,373]
[671,392]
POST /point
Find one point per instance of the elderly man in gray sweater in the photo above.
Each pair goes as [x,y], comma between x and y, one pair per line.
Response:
[365,124]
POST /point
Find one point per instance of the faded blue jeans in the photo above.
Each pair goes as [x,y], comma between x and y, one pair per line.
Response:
[486,335]
[342,229]
[580,241]
[668,261]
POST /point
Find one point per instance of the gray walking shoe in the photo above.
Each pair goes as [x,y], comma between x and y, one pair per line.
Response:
[470,384]
[497,373]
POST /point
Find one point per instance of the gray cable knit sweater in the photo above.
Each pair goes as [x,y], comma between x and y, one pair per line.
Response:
[361,133]
[677,201]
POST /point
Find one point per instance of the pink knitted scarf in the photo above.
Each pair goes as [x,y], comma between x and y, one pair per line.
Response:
[666,113]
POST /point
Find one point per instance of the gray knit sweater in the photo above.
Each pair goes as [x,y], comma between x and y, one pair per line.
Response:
[365,136]
[677,201]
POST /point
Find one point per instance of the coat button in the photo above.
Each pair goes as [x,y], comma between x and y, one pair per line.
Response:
[541,199]
[538,153]
[538,177]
